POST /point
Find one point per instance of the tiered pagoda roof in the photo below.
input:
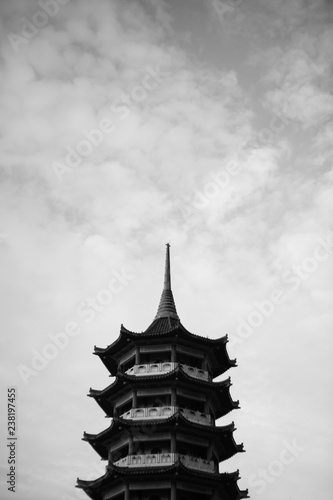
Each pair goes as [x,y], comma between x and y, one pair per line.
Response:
[219,391]
[223,435]
[179,380]
[225,483]
[160,331]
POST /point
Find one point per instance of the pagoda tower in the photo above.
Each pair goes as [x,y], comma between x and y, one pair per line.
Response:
[163,443]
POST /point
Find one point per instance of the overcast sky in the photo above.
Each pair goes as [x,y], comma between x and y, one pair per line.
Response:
[128,124]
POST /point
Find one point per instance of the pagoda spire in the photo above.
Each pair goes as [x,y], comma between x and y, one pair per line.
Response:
[167,307]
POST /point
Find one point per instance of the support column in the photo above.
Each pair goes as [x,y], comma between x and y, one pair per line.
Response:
[173,354]
[134,399]
[173,491]
[206,408]
[210,451]
[130,445]
[173,396]
[127,492]
[173,443]
[137,355]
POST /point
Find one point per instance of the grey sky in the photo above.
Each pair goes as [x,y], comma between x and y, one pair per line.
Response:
[127,124]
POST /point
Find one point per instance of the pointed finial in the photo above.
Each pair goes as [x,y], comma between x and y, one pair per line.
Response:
[167,277]
[167,307]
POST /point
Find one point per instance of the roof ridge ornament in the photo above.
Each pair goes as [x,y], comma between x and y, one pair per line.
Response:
[167,307]
[167,275]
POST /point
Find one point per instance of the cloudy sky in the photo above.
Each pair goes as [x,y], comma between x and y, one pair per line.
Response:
[127,124]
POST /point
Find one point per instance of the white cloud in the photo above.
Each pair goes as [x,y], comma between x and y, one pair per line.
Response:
[122,203]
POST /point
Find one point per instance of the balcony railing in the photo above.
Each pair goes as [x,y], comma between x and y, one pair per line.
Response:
[158,460]
[165,412]
[158,368]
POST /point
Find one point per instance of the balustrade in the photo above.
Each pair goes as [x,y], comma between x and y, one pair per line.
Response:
[165,412]
[155,459]
[158,368]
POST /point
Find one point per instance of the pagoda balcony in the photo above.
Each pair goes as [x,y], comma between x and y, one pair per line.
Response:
[165,367]
[159,460]
[166,412]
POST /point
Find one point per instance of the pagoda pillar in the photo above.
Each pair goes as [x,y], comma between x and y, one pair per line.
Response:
[126,492]
[173,491]
[210,451]
[137,355]
[135,399]
[130,445]
[173,443]
[173,396]
[205,363]
[173,353]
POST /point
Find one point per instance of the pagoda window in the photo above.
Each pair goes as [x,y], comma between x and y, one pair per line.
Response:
[125,407]
[155,356]
[142,403]
[164,401]
[193,451]
[189,357]
[120,453]
[128,364]
[156,451]
[190,404]
[189,361]
[127,361]
[158,446]
[154,402]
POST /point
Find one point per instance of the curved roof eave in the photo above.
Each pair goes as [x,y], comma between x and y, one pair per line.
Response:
[119,422]
[122,378]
